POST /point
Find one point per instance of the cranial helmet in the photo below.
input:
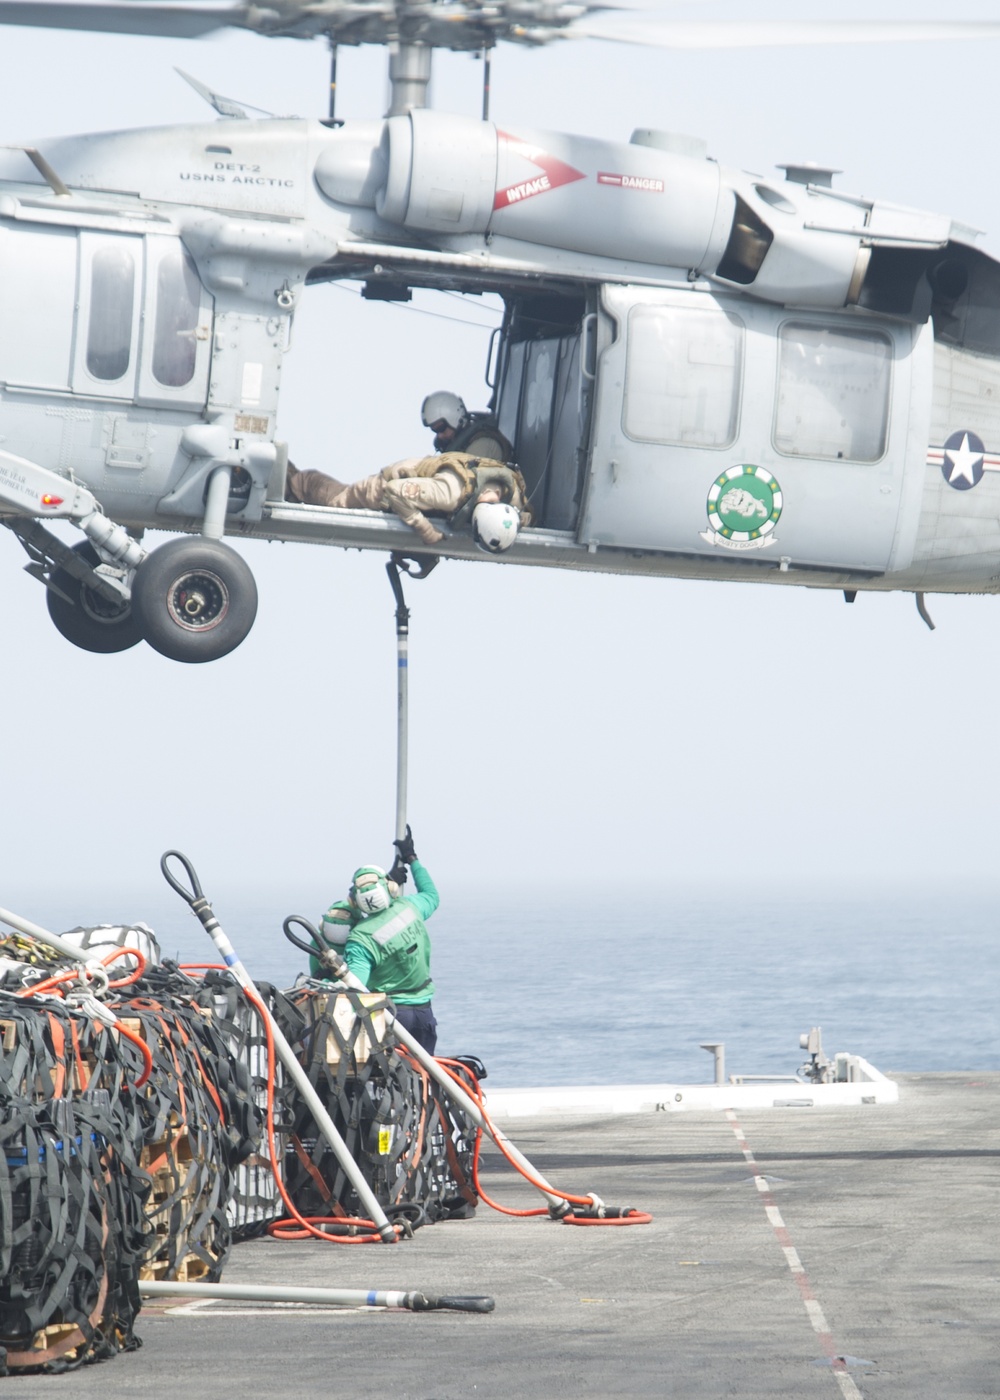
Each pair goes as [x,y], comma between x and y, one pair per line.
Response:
[370,890]
[335,925]
[495,526]
[443,406]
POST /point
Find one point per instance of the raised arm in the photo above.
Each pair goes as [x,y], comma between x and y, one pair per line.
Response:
[426,899]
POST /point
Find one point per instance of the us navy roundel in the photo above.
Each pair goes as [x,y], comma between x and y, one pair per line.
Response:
[962,462]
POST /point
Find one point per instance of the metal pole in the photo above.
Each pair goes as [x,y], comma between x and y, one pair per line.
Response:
[333,1297]
[52,940]
[402,695]
[487,62]
[718,1049]
[333,79]
[285,1053]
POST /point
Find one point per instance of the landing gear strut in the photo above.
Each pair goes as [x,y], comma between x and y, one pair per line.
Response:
[191,600]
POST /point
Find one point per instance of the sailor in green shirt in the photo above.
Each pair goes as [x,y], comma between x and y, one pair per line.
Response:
[389,949]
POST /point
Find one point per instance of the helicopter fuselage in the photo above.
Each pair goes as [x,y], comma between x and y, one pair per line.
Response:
[704,374]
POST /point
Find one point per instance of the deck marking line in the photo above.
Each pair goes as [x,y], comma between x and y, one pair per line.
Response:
[847,1387]
[809,1300]
[816,1316]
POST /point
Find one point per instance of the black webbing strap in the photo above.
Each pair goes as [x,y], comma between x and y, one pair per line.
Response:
[98,1180]
[383,1106]
[73,1231]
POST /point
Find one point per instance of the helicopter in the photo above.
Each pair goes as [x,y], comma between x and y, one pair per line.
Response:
[704,373]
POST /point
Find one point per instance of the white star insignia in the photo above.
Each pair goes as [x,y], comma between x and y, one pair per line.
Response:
[963,462]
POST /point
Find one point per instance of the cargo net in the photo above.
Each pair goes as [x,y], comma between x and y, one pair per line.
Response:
[255,1199]
[104,1184]
[414,1148]
[72,1234]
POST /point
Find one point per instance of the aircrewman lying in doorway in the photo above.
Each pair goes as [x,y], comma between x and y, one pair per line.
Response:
[466,489]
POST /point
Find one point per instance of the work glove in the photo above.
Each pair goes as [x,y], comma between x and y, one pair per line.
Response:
[398,873]
[407,855]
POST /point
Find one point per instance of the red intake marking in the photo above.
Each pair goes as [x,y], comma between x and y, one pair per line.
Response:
[555,173]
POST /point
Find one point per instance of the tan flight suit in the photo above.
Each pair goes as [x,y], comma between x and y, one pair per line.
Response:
[442,484]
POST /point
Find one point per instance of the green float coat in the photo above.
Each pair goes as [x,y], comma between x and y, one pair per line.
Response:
[391,951]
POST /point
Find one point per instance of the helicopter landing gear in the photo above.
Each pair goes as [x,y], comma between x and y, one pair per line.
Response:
[85,617]
[194,599]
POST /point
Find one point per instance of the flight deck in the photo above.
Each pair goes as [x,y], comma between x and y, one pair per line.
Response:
[795,1251]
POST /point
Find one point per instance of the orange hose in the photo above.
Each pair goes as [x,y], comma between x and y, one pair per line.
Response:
[51,983]
[58,978]
[135,974]
[285,1230]
[634,1217]
[141,1045]
[48,983]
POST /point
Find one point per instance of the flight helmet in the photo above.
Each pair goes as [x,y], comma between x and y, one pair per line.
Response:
[495,526]
[443,407]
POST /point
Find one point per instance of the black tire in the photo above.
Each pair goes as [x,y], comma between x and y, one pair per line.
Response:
[90,621]
[194,600]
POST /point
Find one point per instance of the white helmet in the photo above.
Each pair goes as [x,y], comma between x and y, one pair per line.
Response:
[370,890]
[495,526]
[443,407]
[335,925]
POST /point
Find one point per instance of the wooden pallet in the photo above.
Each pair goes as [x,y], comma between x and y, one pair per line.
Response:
[189,1269]
[168,1162]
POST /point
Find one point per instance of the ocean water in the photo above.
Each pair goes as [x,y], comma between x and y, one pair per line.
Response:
[579,991]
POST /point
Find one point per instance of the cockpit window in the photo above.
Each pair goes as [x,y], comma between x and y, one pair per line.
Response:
[112,304]
[833,392]
[178,300]
[682,378]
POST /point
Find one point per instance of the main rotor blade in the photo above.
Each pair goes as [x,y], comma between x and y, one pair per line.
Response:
[167,21]
[375,21]
[721,34]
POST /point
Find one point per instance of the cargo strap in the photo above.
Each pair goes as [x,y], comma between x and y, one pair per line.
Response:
[385,1106]
[99,1182]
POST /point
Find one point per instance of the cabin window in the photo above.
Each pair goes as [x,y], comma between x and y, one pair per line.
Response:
[112,304]
[38,272]
[682,376]
[178,302]
[833,393]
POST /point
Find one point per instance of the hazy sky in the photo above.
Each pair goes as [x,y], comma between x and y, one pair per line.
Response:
[565,728]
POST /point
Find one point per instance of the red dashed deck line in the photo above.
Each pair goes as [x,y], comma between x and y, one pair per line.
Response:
[809,1300]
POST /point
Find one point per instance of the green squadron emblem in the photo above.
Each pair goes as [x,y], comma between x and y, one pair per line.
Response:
[744,506]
